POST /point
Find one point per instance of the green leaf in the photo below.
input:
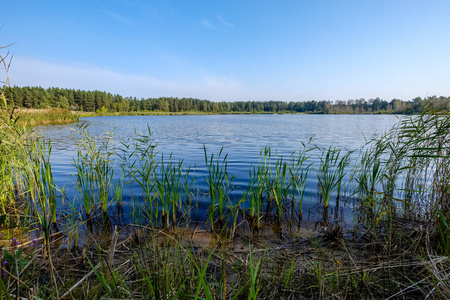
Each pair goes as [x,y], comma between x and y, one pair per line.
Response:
[441,216]
[19,253]
[3,289]
[100,278]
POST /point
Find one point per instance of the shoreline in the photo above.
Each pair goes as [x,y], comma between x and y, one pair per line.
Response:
[56,116]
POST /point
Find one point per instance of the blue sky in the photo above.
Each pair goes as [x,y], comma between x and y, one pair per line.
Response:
[232,50]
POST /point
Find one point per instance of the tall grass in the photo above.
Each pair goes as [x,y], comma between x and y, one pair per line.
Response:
[141,164]
[95,171]
[331,172]
[369,176]
[299,171]
[26,184]
[49,116]
[170,186]
[14,155]
[219,183]
[419,151]
[278,185]
[256,192]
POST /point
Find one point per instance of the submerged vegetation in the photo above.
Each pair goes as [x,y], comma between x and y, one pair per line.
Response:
[94,246]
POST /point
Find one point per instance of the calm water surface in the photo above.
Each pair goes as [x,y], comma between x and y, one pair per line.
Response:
[241,136]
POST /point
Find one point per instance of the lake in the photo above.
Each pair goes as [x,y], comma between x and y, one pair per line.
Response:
[241,136]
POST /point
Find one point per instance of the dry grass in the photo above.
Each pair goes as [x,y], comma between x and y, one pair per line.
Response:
[47,116]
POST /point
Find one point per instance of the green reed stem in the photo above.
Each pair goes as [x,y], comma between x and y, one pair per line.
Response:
[219,183]
[299,171]
[331,172]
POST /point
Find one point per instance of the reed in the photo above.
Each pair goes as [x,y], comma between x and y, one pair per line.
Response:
[369,176]
[169,186]
[299,171]
[49,116]
[118,187]
[254,270]
[85,186]
[95,170]
[29,182]
[47,189]
[278,185]
[255,196]
[14,158]
[421,150]
[331,172]
[141,165]
[258,178]
[219,183]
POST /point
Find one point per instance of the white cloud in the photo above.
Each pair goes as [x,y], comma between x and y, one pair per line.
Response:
[122,19]
[199,83]
[208,25]
[30,72]
[224,22]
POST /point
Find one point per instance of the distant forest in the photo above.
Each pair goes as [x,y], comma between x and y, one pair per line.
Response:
[103,102]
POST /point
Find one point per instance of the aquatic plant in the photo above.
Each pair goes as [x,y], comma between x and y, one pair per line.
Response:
[95,170]
[418,151]
[331,171]
[141,164]
[258,178]
[299,171]
[169,186]
[219,183]
[278,186]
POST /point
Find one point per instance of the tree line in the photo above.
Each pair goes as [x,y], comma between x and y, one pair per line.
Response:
[104,102]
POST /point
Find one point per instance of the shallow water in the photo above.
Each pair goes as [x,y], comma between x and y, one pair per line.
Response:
[241,136]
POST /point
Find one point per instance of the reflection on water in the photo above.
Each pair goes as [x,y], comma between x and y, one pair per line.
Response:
[241,136]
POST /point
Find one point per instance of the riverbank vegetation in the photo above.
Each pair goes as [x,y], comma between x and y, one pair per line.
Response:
[107,103]
[159,246]
[46,116]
